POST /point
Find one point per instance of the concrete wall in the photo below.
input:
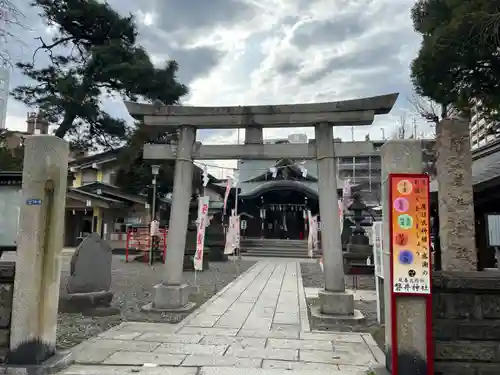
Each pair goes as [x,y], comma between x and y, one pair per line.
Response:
[466,309]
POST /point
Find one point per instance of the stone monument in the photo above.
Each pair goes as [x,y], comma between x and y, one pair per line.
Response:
[89,283]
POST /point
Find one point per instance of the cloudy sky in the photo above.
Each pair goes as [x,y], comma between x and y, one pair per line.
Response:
[241,52]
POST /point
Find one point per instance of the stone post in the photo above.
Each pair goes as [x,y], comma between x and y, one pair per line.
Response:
[171,294]
[328,201]
[39,245]
[402,156]
[333,299]
[456,200]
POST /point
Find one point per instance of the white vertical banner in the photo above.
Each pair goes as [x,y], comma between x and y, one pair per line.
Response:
[230,236]
[237,229]
[226,194]
[378,258]
[203,202]
[310,245]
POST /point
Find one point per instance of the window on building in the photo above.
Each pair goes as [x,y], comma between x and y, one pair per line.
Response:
[89,176]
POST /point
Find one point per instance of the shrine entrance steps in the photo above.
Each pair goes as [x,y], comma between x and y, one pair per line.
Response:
[275,248]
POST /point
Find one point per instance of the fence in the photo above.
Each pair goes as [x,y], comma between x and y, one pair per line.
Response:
[139,239]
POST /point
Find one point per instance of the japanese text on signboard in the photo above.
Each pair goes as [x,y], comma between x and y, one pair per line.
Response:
[410,250]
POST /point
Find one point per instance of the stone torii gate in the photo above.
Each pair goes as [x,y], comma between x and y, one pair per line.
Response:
[171,294]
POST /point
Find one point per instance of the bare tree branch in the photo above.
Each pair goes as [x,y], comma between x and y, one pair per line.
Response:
[402,130]
[424,108]
[10,19]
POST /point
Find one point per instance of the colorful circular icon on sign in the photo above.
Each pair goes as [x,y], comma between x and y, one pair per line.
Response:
[405,257]
[405,221]
[405,187]
[401,204]
[401,239]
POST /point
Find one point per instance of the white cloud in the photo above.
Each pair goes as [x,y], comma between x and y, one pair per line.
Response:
[243,52]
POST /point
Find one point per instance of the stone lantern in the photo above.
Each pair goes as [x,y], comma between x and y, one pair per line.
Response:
[358,248]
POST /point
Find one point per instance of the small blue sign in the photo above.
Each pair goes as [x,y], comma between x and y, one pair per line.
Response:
[406,257]
[34,202]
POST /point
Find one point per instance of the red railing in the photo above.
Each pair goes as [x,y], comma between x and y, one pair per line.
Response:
[140,240]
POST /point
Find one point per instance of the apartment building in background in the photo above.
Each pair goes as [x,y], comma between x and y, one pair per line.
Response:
[481,130]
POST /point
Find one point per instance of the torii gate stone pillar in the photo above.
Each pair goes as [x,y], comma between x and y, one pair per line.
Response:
[171,294]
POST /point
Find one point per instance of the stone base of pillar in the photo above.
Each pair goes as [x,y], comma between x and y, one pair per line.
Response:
[170,298]
[19,363]
[336,303]
[336,308]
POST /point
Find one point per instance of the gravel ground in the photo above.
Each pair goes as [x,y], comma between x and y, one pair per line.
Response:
[133,284]
[312,277]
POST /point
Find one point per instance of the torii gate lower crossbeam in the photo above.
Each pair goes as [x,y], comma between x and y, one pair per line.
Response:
[171,294]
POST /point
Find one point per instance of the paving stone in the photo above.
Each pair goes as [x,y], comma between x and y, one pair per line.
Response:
[140,358]
[287,318]
[330,336]
[292,328]
[167,337]
[208,331]
[337,357]
[204,321]
[178,348]
[230,323]
[269,334]
[296,365]
[91,355]
[354,369]
[119,335]
[370,341]
[148,327]
[204,360]
[299,344]
[121,370]
[257,371]
[250,352]
[258,324]
[132,345]
[240,342]
[260,320]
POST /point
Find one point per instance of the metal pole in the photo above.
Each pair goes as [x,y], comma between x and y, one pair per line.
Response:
[153,217]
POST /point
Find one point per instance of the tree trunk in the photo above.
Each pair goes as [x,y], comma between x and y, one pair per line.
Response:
[66,125]
[455,196]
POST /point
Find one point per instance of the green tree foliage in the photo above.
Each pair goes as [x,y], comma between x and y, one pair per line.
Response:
[93,53]
[458,59]
[136,175]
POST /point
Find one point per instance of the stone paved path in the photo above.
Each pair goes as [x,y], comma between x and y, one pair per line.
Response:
[256,325]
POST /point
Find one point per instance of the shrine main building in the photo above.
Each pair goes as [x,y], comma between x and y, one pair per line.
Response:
[274,195]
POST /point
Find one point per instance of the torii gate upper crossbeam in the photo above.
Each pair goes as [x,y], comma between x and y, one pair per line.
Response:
[339,113]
